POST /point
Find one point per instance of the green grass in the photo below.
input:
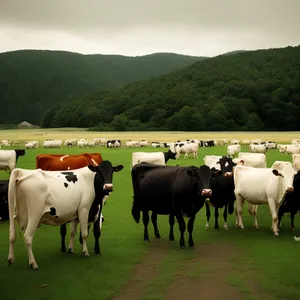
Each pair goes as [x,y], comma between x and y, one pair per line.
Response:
[272,260]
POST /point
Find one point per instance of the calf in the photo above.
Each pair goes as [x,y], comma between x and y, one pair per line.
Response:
[262,186]
[54,198]
[9,158]
[173,191]
[3,200]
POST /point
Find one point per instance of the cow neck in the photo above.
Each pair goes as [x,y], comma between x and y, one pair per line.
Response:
[98,186]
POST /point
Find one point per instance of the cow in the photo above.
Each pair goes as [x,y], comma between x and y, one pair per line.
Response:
[279,165]
[9,158]
[53,198]
[255,160]
[291,203]
[187,148]
[3,200]
[232,150]
[113,144]
[222,187]
[212,161]
[52,144]
[262,186]
[257,148]
[296,161]
[61,162]
[167,190]
[158,158]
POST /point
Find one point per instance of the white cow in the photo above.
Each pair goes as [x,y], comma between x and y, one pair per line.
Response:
[132,144]
[232,150]
[296,161]
[6,143]
[157,158]
[31,144]
[262,186]
[38,197]
[52,144]
[212,161]
[235,142]
[270,145]
[257,148]
[255,160]
[9,158]
[186,149]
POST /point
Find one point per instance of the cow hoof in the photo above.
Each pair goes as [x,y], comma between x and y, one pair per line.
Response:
[182,246]
[34,267]
[85,254]
[70,251]
[256,227]
[157,237]
[206,227]
[10,261]
[292,229]
[191,245]
[276,233]
[171,238]
[225,227]
[146,240]
[63,250]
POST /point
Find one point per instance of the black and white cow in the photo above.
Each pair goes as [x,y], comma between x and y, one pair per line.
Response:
[3,200]
[167,190]
[54,198]
[113,144]
[9,158]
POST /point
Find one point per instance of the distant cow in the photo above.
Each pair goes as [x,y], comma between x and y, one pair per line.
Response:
[9,158]
[3,200]
[186,149]
[257,148]
[232,150]
[168,190]
[113,144]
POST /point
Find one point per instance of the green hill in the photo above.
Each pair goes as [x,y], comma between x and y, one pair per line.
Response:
[32,81]
[251,90]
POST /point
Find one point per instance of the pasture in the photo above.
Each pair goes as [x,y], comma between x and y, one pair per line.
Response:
[231,264]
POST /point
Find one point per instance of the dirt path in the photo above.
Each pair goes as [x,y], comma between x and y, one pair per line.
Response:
[205,276]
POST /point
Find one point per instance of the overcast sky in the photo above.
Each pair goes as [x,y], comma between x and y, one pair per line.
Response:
[138,27]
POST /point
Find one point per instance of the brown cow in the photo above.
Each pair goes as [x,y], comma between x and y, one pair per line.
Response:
[62,162]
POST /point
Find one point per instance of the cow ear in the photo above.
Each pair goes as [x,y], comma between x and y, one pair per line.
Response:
[276,172]
[93,168]
[118,168]
[192,173]
[219,162]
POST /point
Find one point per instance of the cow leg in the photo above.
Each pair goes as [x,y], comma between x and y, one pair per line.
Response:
[186,156]
[171,222]
[80,236]
[207,209]
[292,220]
[97,234]
[280,215]
[225,217]
[273,209]
[72,237]
[83,219]
[146,222]
[154,222]
[252,209]
[216,218]
[63,232]
[239,210]
[190,230]
[182,228]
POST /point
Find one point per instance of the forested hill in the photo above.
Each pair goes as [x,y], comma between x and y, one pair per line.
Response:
[32,81]
[252,90]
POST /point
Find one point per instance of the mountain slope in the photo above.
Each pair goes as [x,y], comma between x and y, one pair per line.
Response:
[32,81]
[251,90]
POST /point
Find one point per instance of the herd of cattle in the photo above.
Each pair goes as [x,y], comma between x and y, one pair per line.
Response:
[74,188]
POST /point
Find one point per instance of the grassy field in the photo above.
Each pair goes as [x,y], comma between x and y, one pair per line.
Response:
[257,256]
[67,133]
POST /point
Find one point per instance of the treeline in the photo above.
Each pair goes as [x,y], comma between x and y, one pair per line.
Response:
[252,90]
[32,81]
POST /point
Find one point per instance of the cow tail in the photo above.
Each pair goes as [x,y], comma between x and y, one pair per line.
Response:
[135,211]
[11,203]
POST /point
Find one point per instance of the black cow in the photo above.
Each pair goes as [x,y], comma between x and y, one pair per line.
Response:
[222,192]
[3,200]
[104,188]
[291,202]
[168,190]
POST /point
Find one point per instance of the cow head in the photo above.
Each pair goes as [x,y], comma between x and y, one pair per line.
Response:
[19,152]
[287,174]
[104,175]
[226,164]
[203,174]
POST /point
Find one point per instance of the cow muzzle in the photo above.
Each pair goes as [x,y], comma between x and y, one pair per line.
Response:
[206,192]
[108,187]
[289,189]
[228,174]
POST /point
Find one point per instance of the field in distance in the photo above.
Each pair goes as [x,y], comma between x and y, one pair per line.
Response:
[161,136]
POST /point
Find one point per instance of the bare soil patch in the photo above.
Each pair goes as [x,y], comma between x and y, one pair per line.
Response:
[145,271]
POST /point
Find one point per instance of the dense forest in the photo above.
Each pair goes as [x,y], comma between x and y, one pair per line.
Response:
[32,81]
[249,90]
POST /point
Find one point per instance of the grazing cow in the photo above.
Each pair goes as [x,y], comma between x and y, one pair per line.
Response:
[257,148]
[167,190]
[262,186]
[291,203]
[296,161]
[187,148]
[255,160]
[61,162]
[113,144]
[222,187]
[55,197]
[9,158]
[3,200]
[232,150]
[158,158]
[52,144]
[290,149]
